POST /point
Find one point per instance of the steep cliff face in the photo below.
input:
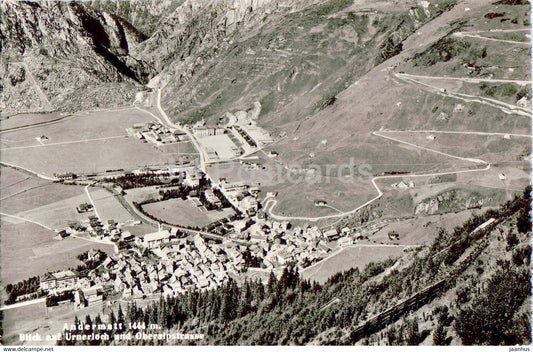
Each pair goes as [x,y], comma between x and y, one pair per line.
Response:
[197,30]
[53,50]
[144,15]
[54,53]
[407,23]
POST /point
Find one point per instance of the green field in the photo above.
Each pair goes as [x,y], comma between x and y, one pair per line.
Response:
[37,318]
[34,197]
[347,258]
[184,213]
[22,120]
[93,142]
[492,149]
[108,207]
[58,215]
[29,250]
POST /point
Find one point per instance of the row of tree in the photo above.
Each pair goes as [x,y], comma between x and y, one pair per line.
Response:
[23,287]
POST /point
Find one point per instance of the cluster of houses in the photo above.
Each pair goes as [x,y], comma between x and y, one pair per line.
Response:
[186,263]
[156,133]
[277,243]
[133,277]
[240,195]
[111,231]
[191,262]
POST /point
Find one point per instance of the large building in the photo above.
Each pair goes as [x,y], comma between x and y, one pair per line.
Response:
[232,186]
[58,281]
[153,240]
[192,178]
[208,131]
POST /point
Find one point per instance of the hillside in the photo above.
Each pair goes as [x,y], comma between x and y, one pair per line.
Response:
[267,172]
[66,56]
[294,54]
[470,286]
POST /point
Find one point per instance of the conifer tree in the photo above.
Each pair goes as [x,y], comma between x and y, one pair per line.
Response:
[439,335]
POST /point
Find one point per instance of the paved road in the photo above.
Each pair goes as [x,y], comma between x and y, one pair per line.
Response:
[498,134]
[498,31]
[92,202]
[16,167]
[332,207]
[130,208]
[95,240]
[169,123]
[387,245]
[139,215]
[270,202]
[477,161]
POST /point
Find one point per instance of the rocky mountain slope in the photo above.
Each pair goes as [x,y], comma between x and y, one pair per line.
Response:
[262,50]
[144,15]
[297,54]
[77,55]
[59,55]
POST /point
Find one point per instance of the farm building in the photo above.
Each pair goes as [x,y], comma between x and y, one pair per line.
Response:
[345,241]
[332,234]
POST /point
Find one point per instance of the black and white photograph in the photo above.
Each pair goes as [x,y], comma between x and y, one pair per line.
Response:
[289,173]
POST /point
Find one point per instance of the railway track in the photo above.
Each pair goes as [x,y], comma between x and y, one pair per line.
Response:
[414,302]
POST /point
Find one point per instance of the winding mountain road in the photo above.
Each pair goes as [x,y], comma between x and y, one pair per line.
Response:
[509,109]
[476,35]
[465,79]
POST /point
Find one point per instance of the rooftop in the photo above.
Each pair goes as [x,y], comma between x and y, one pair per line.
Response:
[154,236]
